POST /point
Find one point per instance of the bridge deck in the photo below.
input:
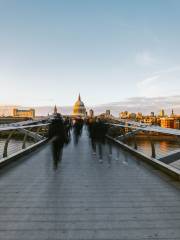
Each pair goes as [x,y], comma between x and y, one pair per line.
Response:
[86,199]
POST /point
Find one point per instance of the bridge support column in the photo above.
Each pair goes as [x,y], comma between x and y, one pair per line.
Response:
[24,139]
[6,143]
[124,135]
[178,139]
[153,150]
[38,130]
[135,143]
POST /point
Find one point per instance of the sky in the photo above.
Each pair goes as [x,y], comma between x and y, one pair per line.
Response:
[108,50]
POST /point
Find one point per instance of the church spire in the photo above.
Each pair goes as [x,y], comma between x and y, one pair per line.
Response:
[55,110]
[79,97]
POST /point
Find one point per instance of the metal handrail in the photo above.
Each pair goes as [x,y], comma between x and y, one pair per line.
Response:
[147,131]
[147,128]
[32,131]
[22,127]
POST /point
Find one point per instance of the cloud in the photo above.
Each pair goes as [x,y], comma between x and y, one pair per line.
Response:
[150,87]
[148,81]
[142,104]
[169,70]
[160,83]
[145,58]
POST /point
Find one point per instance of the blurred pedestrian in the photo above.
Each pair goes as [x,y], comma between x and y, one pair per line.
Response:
[58,137]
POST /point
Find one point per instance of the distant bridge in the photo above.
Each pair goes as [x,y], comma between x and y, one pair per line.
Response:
[146,127]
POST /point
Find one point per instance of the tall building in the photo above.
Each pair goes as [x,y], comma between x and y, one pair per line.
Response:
[108,113]
[170,122]
[152,114]
[132,116]
[139,116]
[162,113]
[124,115]
[55,111]
[172,113]
[79,109]
[167,122]
[177,123]
[30,113]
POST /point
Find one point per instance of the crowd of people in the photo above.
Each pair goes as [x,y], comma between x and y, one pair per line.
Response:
[60,134]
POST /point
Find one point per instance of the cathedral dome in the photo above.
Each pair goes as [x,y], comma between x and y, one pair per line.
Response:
[79,108]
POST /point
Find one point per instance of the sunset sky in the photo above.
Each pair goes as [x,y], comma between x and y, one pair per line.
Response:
[108,50]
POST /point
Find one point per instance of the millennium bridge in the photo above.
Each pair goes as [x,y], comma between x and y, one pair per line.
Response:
[124,194]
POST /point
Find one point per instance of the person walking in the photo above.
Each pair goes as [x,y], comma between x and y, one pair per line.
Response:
[57,136]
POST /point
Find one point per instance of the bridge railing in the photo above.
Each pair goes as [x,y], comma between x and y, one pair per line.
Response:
[131,134]
[16,138]
[124,132]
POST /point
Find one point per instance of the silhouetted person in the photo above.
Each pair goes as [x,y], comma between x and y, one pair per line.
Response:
[109,151]
[117,153]
[97,133]
[77,129]
[68,126]
[91,128]
[58,137]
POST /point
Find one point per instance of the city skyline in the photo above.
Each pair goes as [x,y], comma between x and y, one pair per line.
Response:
[133,105]
[119,50]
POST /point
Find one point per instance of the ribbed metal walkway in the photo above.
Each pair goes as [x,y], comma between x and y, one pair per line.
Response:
[87,199]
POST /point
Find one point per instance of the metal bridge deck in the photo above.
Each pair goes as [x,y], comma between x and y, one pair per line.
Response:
[86,199]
